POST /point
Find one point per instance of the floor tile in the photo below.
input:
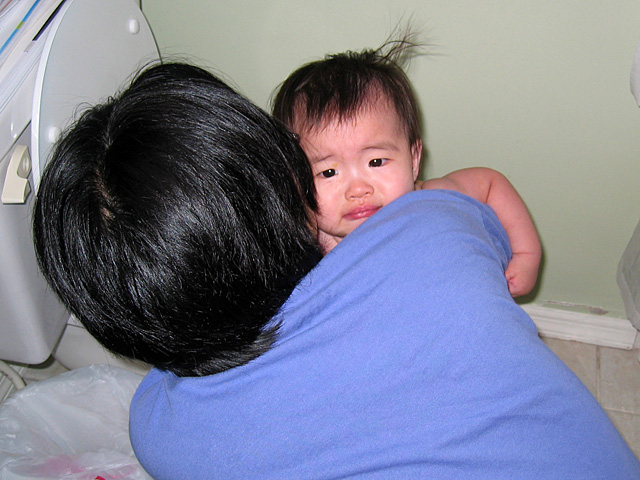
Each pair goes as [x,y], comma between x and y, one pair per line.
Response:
[629,427]
[619,381]
[580,358]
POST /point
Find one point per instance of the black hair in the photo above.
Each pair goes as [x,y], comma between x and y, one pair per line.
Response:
[174,221]
[339,85]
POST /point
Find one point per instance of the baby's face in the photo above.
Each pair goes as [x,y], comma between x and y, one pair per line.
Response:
[359,166]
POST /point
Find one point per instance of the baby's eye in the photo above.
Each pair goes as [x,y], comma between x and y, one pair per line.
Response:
[376,162]
[328,173]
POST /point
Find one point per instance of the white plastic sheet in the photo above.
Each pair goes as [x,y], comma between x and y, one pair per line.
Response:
[635,75]
[72,426]
[628,277]
[628,274]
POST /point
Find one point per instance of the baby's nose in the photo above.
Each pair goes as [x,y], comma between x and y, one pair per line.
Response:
[358,188]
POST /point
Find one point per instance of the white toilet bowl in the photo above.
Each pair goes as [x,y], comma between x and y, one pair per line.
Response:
[77,349]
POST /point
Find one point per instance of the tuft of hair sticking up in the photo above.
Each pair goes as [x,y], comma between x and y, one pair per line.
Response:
[340,85]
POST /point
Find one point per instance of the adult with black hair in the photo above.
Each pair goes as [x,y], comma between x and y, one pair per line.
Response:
[174,222]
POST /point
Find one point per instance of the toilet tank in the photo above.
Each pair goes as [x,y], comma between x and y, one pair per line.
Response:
[70,54]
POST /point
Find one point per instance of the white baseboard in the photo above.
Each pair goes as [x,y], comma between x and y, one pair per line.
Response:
[582,327]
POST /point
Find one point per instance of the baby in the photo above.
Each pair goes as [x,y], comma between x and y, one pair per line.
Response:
[357,120]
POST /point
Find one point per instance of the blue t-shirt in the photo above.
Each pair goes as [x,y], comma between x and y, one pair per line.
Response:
[400,356]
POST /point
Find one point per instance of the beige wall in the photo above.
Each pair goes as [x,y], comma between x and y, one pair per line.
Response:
[536,89]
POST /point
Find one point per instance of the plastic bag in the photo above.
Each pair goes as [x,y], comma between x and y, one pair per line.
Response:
[72,426]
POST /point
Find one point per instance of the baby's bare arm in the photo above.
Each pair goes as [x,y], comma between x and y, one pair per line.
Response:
[491,187]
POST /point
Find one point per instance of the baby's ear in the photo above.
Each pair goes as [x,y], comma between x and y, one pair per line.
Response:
[416,157]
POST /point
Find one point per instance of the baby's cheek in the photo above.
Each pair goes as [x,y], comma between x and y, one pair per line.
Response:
[324,222]
[326,206]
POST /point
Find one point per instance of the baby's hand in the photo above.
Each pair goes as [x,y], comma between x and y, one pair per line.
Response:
[522,273]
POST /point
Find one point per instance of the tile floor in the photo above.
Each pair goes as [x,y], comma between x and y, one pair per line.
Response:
[613,377]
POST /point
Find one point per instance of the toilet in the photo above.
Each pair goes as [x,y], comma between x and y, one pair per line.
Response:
[77,349]
[62,56]
[56,57]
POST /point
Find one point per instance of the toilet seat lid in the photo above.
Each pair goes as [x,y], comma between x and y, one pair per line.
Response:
[92,48]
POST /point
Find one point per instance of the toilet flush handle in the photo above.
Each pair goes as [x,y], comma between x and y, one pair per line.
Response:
[16,182]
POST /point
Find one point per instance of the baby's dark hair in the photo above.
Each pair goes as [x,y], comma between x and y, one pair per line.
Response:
[173,222]
[339,85]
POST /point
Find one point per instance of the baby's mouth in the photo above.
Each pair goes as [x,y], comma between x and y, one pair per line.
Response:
[363,211]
